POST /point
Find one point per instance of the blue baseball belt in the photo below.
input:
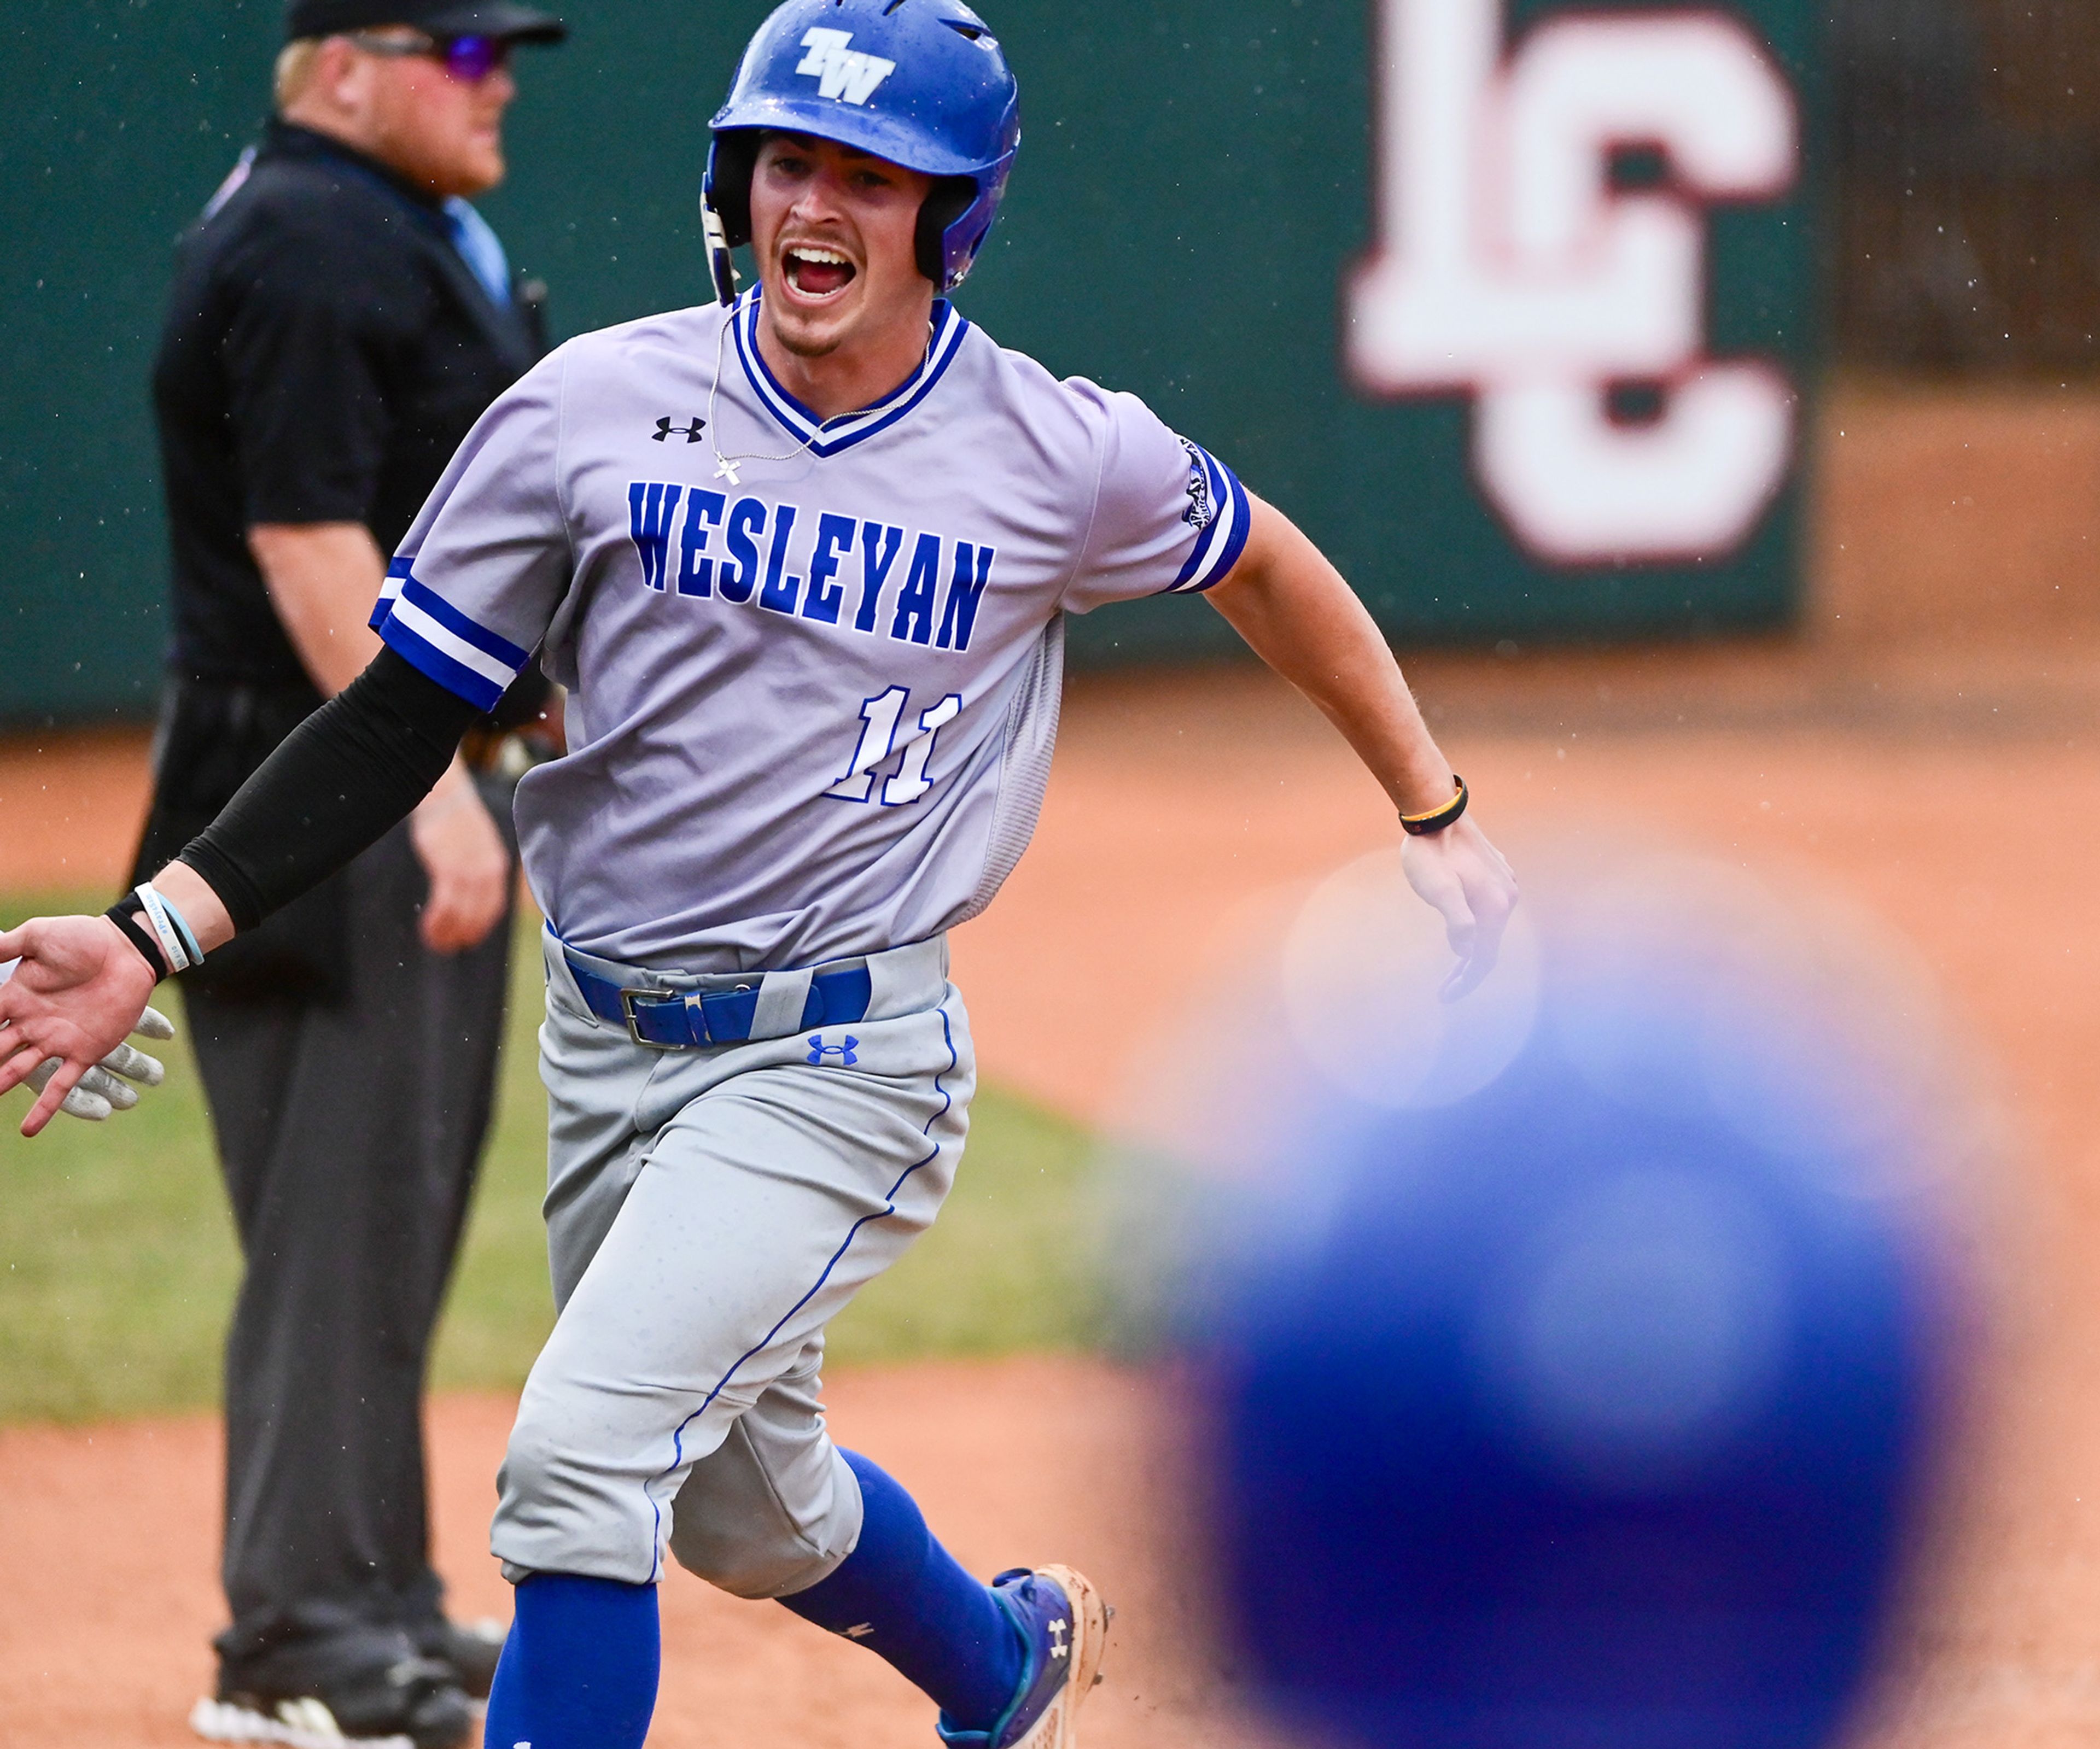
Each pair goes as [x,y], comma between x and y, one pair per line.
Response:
[691,1020]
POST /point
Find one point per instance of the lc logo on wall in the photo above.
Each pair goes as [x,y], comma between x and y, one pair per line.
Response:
[1509,266]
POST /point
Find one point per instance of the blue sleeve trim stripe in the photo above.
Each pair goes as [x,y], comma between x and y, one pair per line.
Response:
[1219,546]
[1236,538]
[478,689]
[463,628]
[388,591]
[1221,501]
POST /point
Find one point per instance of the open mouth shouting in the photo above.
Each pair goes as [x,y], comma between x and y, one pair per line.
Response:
[816,271]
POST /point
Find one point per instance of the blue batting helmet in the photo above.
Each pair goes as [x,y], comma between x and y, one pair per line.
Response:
[923,83]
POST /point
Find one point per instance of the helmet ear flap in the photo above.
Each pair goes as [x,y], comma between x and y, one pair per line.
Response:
[946,201]
[731,160]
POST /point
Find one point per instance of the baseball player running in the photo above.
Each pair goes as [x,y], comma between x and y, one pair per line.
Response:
[803,560]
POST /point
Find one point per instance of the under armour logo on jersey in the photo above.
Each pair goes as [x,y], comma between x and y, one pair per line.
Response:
[818,1051]
[690,433]
[840,72]
[861,1631]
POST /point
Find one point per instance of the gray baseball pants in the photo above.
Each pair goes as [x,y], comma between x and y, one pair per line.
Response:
[709,1212]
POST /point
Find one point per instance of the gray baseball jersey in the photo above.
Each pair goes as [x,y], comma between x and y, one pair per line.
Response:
[813,687]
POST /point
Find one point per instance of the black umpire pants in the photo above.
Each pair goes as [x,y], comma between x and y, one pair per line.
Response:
[349,1131]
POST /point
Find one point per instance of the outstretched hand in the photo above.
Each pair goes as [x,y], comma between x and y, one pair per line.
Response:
[1471,884]
[79,989]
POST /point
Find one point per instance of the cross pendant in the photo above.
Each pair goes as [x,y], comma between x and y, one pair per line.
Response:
[726,470]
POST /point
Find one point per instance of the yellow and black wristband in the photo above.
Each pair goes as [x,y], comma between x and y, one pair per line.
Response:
[1426,825]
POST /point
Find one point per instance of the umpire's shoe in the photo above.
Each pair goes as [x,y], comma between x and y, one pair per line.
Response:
[471,1649]
[1065,1626]
[376,1690]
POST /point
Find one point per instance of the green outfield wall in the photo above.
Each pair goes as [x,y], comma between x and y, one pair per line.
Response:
[1513,308]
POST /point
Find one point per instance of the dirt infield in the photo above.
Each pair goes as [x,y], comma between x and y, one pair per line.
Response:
[110,1557]
[1926,749]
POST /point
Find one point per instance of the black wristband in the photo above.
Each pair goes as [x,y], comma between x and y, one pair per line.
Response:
[125,913]
[1423,825]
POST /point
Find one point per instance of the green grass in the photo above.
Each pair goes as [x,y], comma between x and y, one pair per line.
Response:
[118,1267]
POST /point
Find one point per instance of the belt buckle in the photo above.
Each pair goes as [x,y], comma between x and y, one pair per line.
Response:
[627,998]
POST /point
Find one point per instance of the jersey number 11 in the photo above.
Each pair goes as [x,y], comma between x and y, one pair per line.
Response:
[880,717]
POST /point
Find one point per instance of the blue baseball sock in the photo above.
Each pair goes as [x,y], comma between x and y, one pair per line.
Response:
[579,1671]
[940,1627]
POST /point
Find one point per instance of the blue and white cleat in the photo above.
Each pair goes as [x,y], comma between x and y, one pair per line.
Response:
[1065,1624]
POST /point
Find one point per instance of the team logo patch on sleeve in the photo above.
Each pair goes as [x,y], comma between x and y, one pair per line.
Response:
[1202,508]
[1219,511]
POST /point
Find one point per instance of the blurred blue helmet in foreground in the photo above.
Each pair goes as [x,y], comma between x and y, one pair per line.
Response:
[923,83]
[1589,1406]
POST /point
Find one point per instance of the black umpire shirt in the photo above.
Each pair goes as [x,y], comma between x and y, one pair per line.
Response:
[327,349]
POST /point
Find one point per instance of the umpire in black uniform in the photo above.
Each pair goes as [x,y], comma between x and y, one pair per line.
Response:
[340,317]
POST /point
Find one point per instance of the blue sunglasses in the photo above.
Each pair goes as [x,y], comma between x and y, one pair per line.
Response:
[470,60]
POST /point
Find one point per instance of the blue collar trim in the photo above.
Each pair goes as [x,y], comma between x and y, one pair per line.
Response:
[828,437]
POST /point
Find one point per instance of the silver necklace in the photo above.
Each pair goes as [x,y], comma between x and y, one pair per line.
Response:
[726,466]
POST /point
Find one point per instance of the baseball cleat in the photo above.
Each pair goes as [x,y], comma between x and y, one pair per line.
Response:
[1066,1625]
[408,1702]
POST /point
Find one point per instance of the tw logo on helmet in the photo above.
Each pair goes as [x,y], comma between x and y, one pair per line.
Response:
[841,73]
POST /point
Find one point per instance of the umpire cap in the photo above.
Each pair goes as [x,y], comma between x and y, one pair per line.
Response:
[440,17]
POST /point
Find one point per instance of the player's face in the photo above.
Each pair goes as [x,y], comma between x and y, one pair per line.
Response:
[832,229]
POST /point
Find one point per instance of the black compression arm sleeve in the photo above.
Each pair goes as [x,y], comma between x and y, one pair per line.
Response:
[342,778]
